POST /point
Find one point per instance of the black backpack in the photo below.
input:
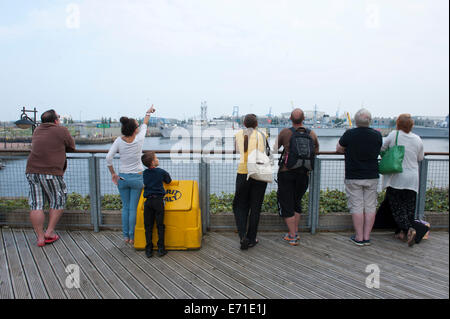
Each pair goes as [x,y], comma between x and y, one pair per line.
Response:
[301,150]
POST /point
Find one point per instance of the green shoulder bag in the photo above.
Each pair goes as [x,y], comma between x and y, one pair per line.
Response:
[392,159]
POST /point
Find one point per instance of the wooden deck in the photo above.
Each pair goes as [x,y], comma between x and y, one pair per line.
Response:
[325,265]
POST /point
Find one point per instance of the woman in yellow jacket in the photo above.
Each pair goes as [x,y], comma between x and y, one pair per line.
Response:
[249,193]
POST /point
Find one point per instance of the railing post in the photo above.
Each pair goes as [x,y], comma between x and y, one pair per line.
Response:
[93,192]
[315,196]
[207,193]
[98,193]
[420,201]
[204,193]
[310,199]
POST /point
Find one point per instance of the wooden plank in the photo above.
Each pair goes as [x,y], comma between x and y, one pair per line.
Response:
[411,267]
[390,282]
[58,250]
[429,252]
[140,260]
[18,280]
[279,274]
[429,248]
[392,270]
[181,282]
[120,271]
[172,260]
[44,267]
[326,265]
[320,268]
[6,289]
[307,273]
[56,265]
[199,268]
[105,270]
[403,261]
[341,274]
[256,283]
[146,280]
[32,275]
[88,271]
[227,279]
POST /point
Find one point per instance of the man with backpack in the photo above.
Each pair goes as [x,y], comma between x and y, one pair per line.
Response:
[300,146]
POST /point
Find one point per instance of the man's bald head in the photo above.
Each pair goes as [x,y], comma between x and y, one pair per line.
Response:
[297,116]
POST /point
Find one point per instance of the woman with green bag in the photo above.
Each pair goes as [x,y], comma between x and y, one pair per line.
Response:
[401,188]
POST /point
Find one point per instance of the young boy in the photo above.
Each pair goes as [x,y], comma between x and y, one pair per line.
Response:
[154,205]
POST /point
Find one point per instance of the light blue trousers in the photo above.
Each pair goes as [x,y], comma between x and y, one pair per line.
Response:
[130,191]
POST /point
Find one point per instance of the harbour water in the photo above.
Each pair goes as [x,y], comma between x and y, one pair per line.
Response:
[327,144]
[223,173]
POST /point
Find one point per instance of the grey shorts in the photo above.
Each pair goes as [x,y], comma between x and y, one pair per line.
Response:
[46,187]
[361,195]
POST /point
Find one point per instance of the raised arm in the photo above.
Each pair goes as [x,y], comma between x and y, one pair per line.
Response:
[166,178]
[147,115]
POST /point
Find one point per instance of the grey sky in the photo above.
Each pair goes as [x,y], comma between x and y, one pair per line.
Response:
[114,56]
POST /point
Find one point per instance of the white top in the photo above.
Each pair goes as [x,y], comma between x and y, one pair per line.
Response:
[409,178]
[130,153]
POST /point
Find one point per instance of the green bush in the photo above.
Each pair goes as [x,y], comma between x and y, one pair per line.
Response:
[78,202]
[331,201]
[436,200]
[111,202]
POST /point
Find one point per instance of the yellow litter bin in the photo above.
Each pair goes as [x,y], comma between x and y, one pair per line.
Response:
[182,218]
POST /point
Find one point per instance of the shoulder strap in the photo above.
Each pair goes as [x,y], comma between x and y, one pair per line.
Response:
[266,142]
[396,137]
[300,127]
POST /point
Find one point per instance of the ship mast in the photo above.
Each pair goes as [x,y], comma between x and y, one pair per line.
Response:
[203,116]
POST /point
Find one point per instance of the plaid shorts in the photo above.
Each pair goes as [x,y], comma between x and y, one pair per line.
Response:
[46,187]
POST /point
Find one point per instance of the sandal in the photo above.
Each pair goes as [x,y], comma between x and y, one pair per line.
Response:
[49,240]
[411,236]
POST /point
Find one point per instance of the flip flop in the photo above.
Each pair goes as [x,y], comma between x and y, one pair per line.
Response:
[51,239]
[41,244]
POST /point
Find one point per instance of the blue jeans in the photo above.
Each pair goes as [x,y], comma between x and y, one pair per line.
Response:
[130,191]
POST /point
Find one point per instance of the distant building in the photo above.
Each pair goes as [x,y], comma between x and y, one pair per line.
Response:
[444,123]
[310,115]
[383,122]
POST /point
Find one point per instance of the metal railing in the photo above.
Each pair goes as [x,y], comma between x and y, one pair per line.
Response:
[87,176]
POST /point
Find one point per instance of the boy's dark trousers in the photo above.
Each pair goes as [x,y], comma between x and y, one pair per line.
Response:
[154,210]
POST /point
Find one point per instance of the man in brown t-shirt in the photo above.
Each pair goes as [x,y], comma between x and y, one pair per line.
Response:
[45,169]
[292,183]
